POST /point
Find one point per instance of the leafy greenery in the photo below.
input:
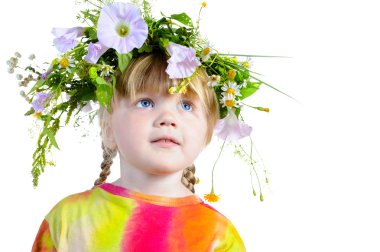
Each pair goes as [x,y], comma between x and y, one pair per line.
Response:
[83,82]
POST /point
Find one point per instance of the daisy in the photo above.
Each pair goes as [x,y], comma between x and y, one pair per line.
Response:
[231,88]
[213,80]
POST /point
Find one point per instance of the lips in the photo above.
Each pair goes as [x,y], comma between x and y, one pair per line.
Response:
[166,140]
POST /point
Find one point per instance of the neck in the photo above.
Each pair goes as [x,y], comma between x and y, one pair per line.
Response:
[166,185]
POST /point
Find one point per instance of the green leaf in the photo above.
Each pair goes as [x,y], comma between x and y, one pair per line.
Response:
[145,48]
[91,33]
[51,137]
[183,18]
[38,84]
[123,60]
[103,92]
[250,89]
[93,72]
[29,112]
[164,42]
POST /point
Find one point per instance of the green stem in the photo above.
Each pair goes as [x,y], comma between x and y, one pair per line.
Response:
[252,164]
[212,176]
[257,56]
[250,107]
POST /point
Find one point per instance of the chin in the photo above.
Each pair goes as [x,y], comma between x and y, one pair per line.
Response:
[165,169]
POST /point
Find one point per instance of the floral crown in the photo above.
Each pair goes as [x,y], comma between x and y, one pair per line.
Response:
[115,33]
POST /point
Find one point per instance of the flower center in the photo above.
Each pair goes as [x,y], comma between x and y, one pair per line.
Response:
[64,63]
[215,77]
[206,51]
[230,103]
[122,30]
[231,74]
[231,91]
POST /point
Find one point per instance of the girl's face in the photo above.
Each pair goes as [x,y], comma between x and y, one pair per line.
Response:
[159,133]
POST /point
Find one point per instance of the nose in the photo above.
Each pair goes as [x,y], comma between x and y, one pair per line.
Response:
[166,118]
[168,122]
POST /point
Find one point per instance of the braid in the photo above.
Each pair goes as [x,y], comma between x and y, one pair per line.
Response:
[108,155]
[188,178]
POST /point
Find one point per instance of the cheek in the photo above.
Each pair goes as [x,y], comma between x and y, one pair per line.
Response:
[197,134]
[126,131]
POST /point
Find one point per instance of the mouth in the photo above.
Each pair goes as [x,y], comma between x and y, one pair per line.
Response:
[166,141]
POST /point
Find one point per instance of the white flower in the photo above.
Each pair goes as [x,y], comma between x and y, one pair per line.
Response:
[17,54]
[32,57]
[244,84]
[230,128]
[66,63]
[228,100]
[206,52]
[213,80]
[182,62]
[106,70]
[231,88]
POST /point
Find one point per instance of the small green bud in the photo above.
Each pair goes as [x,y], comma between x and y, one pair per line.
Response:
[93,72]
[261,197]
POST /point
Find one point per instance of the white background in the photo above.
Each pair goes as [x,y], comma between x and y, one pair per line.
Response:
[321,152]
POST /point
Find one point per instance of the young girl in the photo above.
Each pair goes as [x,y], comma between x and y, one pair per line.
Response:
[162,90]
[152,206]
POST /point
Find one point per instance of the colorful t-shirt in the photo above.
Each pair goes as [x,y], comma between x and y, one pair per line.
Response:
[112,218]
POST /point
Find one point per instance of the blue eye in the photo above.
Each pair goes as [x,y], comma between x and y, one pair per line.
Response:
[145,103]
[186,106]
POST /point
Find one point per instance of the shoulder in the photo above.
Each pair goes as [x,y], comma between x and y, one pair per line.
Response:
[228,238]
[213,212]
[74,204]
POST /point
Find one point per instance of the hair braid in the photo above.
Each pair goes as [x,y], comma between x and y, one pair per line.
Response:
[108,155]
[188,178]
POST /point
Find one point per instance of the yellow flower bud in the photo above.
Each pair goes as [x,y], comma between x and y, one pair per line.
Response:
[206,51]
[172,90]
[231,74]
[204,4]
[64,62]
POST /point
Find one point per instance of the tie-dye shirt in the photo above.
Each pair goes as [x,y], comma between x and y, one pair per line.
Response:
[112,218]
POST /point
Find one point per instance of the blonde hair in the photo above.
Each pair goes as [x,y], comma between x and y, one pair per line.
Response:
[147,73]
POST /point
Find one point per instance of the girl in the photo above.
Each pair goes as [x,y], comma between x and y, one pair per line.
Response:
[152,206]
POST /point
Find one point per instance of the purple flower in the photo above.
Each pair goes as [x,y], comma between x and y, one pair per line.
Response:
[121,27]
[182,62]
[65,38]
[45,74]
[94,52]
[40,102]
[87,107]
[230,128]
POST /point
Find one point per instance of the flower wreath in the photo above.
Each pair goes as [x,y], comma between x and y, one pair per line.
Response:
[116,33]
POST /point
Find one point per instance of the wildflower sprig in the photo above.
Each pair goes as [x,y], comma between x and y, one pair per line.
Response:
[93,55]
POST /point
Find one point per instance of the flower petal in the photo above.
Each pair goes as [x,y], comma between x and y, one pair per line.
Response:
[66,38]
[182,62]
[230,128]
[112,17]
[95,51]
